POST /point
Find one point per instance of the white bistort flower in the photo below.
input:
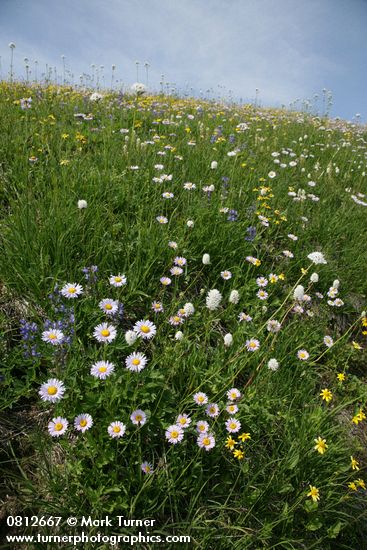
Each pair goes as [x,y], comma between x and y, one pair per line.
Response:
[213,299]
[314,278]
[234,297]
[214,165]
[299,293]
[82,204]
[189,309]
[273,364]
[130,337]
[228,340]
[317,258]
[138,88]
[206,259]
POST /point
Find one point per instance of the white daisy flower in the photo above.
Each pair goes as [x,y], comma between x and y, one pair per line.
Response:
[176,271]
[328,341]
[172,244]
[202,426]
[206,441]
[71,290]
[212,410]
[138,417]
[226,275]
[116,429]
[102,369]
[180,261]
[288,254]
[262,294]
[165,281]
[167,195]
[136,362]
[162,219]
[244,317]
[273,326]
[118,280]
[189,186]
[200,398]
[233,394]
[57,426]
[53,390]
[145,329]
[232,408]
[261,281]
[252,345]
[109,306]
[233,425]
[183,420]
[174,434]
[83,422]
[54,336]
[104,333]
[147,467]
[303,355]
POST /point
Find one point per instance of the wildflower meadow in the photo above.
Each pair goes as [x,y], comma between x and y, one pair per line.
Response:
[183,324]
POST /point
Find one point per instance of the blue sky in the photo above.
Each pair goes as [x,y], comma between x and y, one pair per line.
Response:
[287,49]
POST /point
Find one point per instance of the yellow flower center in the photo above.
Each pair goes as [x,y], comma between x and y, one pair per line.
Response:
[202,428]
[108,306]
[52,390]
[200,398]
[252,345]
[206,441]
[183,421]
[102,369]
[117,429]
[138,418]
[176,319]
[233,425]
[136,361]
[52,336]
[174,434]
[83,423]
[72,290]
[58,426]
[145,329]
[118,279]
[105,332]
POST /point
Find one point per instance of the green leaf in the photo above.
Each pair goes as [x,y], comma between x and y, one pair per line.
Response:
[314,525]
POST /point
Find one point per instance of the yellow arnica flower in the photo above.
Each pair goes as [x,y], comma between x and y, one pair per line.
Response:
[356,345]
[230,443]
[352,486]
[321,445]
[314,493]
[326,395]
[354,463]
[360,483]
[358,417]
[340,376]
[240,455]
[244,437]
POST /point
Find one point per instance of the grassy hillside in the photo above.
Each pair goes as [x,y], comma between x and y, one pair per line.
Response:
[236,234]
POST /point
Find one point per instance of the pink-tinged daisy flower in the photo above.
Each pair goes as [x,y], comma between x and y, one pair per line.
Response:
[226,275]
[252,345]
[136,362]
[206,441]
[109,306]
[172,244]
[200,398]
[233,425]
[244,317]
[118,280]
[174,434]
[58,426]
[147,468]
[303,354]
[102,369]
[54,337]
[104,333]
[145,329]
[53,390]
[202,427]
[167,195]
[261,281]
[83,422]
[180,261]
[165,281]
[273,326]
[232,408]
[162,219]
[212,410]
[116,429]
[189,186]
[262,294]
[176,271]
[233,394]
[157,307]
[71,290]
[183,420]
[138,417]
[176,320]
